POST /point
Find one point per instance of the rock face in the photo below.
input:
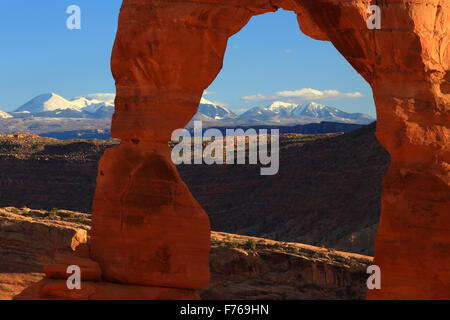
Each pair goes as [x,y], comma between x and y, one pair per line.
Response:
[272,270]
[29,240]
[166,53]
[48,173]
[147,228]
[241,267]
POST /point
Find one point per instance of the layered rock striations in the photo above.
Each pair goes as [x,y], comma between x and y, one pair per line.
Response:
[241,267]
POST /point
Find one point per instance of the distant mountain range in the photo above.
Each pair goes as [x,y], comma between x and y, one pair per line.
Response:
[51,105]
[51,113]
[276,114]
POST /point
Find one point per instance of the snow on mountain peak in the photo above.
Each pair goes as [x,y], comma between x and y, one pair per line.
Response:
[101,106]
[213,110]
[204,101]
[93,102]
[4,115]
[47,102]
[106,98]
[281,104]
[280,112]
[277,105]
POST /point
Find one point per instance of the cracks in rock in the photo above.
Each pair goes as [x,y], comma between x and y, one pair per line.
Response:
[125,192]
[273,6]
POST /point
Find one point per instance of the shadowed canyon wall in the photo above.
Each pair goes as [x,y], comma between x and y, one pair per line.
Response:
[148,229]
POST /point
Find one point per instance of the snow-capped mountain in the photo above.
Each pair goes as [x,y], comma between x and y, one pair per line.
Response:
[101,106]
[214,111]
[4,115]
[283,113]
[212,114]
[47,102]
[52,105]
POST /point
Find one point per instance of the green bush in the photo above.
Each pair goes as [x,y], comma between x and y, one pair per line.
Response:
[350,261]
[251,243]
[14,210]
[52,213]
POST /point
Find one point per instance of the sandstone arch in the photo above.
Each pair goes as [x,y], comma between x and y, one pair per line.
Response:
[147,228]
[167,52]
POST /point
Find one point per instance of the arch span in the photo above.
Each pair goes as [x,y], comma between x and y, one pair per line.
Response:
[147,228]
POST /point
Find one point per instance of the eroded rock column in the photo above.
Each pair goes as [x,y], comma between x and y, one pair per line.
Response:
[147,228]
[407,63]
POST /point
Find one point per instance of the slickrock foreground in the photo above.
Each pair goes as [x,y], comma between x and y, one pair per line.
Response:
[241,267]
[30,238]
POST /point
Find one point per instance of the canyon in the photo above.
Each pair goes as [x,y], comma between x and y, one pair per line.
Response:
[327,191]
[148,230]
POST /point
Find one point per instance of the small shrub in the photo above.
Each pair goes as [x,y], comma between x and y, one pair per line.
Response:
[52,213]
[14,210]
[350,261]
[234,244]
[66,214]
[251,243]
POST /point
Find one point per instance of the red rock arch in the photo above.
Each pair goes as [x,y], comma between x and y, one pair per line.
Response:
[147,228]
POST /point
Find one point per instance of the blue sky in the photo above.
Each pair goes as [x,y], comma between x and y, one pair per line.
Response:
[270,55]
